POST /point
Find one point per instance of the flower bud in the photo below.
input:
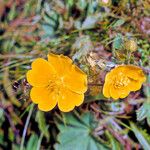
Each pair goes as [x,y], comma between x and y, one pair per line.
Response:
[130,45]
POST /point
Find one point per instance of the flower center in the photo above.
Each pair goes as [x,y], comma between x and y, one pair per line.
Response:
[55,84]
[121,81]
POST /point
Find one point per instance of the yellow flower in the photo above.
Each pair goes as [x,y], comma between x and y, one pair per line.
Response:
[56,81]
[120,81]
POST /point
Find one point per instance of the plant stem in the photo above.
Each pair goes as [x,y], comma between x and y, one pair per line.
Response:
[26,126]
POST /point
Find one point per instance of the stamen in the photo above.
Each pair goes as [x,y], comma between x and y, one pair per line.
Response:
[121,81]
[55,85]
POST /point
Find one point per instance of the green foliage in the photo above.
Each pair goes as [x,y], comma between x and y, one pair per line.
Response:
[90,21]
[118,23]
[40,118]
[2,117]
[50,22]
[117,42]
[78,131]
[144,50]
[2,142]
[141,136]
[147,88]
[115,145]
[83,45]
[144,111]
[90,98]
[32,143]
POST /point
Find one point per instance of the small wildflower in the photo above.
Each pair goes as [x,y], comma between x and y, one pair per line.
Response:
[56,81]
[120,81]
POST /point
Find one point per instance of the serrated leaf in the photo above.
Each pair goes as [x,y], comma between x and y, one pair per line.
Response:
[77,132]
[141,136]
[50,22]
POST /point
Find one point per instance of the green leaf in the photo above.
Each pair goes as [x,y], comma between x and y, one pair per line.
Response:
[11,135]
[118,23]
[2,117]
[40,119]
[12,14]
[117,43]
[142,136]
[144,111]
[2,142]
[32,143]
[50,21]
[147,88]
[69,3]
[81,4]
[48,29]
[77,132]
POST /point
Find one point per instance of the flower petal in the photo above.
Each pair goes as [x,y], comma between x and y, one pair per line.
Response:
[45,100]
[76,80]
[135,73]
[61,63]
[106,88]
[135,85]
[124,93]
[68,100]
[40,74]
[114,93]
[112,74]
